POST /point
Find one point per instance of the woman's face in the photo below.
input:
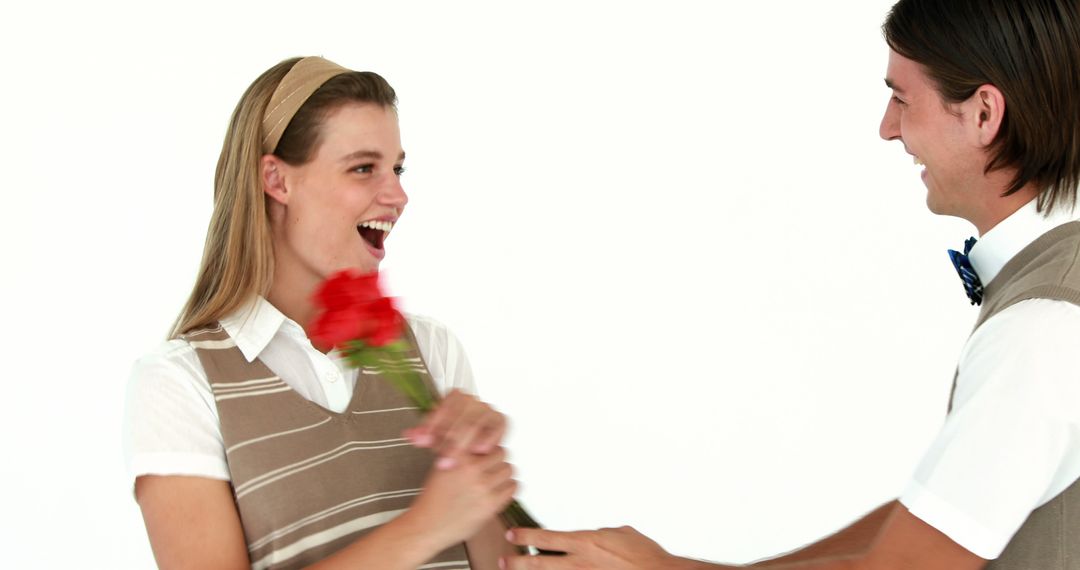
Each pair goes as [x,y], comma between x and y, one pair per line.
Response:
[335,211]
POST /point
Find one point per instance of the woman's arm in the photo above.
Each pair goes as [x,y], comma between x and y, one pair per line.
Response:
[193,523]
[488,545]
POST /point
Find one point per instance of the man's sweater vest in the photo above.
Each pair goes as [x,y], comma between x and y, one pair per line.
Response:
[1048,268]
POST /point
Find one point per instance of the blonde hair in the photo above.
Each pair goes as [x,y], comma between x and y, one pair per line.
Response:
[238,256]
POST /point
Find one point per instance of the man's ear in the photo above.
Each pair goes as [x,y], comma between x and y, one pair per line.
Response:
[272,172]
[988,112]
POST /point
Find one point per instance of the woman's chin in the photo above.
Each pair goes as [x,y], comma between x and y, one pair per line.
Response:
[356,265]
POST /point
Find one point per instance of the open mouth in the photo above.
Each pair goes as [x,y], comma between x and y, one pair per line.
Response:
[374,232]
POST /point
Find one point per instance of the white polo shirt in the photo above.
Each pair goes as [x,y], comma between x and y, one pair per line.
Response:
[1012,440]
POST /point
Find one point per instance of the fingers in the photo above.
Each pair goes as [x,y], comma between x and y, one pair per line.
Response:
[499,474]
[430,431]
[490,468]
[505,493]
[491,460]
[492,434]
[539,563]
[479,428]
[462,430]
[460,422]
[568,542]
[446,462]
[489,478]
[505,486]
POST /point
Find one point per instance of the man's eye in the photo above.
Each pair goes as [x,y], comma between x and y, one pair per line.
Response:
[364,168]
[898,100]
[399,170]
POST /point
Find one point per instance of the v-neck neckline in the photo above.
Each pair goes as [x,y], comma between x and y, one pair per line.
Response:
[347,414]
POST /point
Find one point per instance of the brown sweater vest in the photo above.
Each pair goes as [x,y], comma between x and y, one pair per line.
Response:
[308,481]
[1048,268]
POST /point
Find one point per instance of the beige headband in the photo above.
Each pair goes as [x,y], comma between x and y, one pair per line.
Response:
[306,76]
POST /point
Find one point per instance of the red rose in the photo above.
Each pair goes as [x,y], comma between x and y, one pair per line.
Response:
[348,288]
[354,308]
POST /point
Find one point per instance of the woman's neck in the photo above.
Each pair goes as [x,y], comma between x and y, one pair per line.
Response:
[291,294]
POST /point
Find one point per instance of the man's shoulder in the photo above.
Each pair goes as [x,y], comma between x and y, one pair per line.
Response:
[1048,269]
[1028,352]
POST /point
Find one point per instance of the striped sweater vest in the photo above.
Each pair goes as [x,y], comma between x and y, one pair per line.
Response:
[1048,268]
[308,481]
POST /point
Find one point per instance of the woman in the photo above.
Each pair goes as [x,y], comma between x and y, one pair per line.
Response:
[247,444]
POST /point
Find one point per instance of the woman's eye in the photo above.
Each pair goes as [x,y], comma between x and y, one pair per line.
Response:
[399,170]
[364,168]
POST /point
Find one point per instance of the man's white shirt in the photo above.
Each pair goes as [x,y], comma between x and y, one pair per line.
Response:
[1012,440]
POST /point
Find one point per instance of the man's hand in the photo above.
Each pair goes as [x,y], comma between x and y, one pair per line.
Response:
[608,549]
[460,423]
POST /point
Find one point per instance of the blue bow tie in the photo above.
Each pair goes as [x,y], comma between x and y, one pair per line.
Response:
[972,285]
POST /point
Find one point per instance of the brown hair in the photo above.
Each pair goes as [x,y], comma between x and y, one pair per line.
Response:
[1028,49]
[238,257]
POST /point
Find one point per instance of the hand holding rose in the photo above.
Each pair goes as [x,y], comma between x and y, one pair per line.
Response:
[459,423]
[455,503]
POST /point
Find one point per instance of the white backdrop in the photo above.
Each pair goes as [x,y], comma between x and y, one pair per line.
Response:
[708,295]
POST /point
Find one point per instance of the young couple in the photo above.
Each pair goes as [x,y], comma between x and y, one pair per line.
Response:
[251,448]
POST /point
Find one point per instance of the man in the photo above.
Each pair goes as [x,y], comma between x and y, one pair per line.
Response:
[985,96]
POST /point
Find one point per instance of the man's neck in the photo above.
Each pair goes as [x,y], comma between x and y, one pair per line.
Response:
[995,208]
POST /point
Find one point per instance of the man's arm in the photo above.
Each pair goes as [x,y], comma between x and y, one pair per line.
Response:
[854,540]
[890,537]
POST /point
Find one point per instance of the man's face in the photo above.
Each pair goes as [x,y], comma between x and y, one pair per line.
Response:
[937,134]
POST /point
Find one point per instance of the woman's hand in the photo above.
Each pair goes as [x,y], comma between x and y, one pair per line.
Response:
[460,423]
[456,503]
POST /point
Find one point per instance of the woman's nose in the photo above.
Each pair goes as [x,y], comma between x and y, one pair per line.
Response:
[393,194]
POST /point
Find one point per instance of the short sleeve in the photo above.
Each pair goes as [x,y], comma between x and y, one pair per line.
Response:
[1010,443]
[443,354]
[170,424]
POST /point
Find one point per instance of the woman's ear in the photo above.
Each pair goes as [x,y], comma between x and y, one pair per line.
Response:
[988,105]
[272,172]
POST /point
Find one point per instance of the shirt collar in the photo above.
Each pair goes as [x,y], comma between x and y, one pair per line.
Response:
[253,325]
[997,246]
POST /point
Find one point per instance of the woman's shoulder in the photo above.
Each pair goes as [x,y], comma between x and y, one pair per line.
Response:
[431,333]
[443,353]
[173,361]
[170,424]
[424,323]
[174,350]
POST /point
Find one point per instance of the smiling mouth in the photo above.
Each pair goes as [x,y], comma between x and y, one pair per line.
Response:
[374,232]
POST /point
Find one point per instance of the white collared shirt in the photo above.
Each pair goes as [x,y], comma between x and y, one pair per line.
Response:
[171,424]
[1012,440]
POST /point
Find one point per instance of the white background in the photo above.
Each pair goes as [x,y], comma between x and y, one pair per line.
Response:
[708,295]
